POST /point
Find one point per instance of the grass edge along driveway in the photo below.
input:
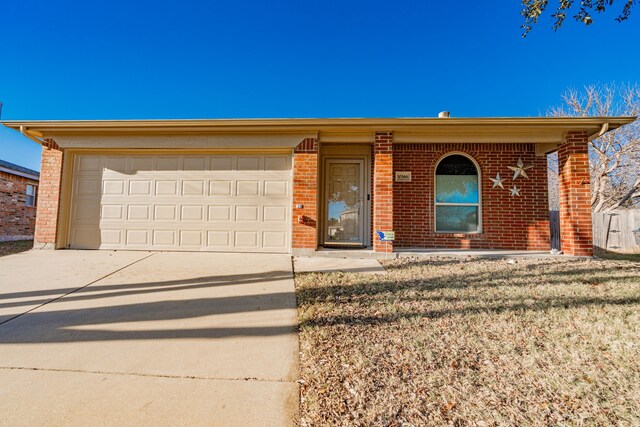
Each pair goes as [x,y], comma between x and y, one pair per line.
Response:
[15,246]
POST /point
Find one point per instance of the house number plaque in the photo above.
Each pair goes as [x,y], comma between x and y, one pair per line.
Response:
[403,176]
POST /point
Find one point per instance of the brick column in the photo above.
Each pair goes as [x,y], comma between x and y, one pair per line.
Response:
[576,232]
[382,189]
[48,209]
[305,193]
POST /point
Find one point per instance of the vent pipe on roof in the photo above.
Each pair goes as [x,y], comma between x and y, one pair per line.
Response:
[444,114]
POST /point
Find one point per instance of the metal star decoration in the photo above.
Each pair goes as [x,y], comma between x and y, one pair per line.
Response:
[515,191]
[520,169]
[497,181]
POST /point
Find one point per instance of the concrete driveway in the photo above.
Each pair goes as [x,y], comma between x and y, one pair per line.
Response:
[130,338]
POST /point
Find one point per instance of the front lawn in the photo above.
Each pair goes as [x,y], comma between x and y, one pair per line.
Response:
[448,341]
[9,248]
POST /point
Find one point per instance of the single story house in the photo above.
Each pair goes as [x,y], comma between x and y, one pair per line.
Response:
[18,194]
[298,185]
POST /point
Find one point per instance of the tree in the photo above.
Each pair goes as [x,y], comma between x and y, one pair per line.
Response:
[533,9]
[614,158]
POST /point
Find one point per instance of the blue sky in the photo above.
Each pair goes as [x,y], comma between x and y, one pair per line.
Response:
[302,58]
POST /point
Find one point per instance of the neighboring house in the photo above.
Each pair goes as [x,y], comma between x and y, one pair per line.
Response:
[271,185]
[18,194]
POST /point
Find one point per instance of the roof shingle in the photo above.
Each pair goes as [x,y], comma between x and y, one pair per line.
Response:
[12,166]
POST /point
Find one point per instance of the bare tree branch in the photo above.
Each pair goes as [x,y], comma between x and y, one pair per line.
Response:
[615,157]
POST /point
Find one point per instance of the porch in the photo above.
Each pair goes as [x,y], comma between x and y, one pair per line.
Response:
[447,195]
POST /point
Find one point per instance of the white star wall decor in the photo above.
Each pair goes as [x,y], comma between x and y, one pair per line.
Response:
[497,181]
[515,191]
[520,169]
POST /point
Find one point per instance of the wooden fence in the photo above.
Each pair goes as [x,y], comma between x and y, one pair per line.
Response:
[554,224]
[617,231]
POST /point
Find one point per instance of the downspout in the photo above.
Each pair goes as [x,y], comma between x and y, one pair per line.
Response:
[602,131]
[32,135]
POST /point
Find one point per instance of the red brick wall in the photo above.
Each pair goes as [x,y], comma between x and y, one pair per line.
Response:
[507,222]
[574,191]
[16,218]
[49,196]
[383,191]
[305,192]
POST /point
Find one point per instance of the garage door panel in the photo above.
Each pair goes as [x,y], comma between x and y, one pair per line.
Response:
[164,238]
[166,187]
[219,239]
[277,163]
[138,213]
[192,187]
[247,213]
[86,212]
[246,239]
[250,163]
[220,213]
[276,188]
[250,188]
[89,164]
[140,187]
[169,164]
[141,164]
[139,237]
[195,163]
[86,237]
[191,213]
[111,237]
[223,163]
[191,238]
[117,165]
[220,187]
[208,202]
[165,213]
[276,240]
[88,187]
[112,212]
[275,213]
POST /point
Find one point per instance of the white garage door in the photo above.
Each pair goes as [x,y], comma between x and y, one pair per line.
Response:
[237,203]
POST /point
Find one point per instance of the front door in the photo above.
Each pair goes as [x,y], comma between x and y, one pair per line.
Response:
[344,203]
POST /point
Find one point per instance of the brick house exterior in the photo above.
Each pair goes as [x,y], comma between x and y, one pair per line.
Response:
[507,222]
[46,231]
[342,179]
[305,189]
[17,218]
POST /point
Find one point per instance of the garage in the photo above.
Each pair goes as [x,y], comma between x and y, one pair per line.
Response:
[199,202]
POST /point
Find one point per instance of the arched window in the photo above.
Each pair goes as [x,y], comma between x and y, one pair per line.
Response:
[457,195]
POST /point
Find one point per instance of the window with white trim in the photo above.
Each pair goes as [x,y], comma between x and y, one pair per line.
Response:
[457,195]
[31,195]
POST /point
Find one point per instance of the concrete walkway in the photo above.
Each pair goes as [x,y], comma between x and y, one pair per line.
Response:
[130,338]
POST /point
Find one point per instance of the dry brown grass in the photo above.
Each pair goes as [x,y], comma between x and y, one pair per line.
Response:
[9,248]
[472,342]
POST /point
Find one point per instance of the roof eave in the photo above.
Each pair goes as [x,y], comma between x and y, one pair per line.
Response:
[20,173]
[51,128]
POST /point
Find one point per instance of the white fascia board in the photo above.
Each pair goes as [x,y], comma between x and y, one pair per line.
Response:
[187,141]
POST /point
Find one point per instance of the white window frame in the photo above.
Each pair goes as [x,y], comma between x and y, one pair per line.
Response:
[436,203]
[34,195]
